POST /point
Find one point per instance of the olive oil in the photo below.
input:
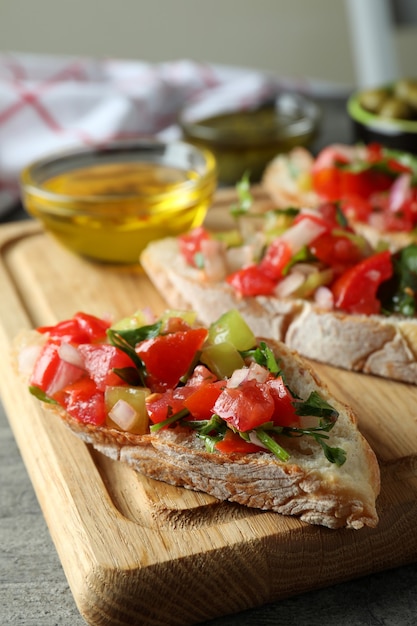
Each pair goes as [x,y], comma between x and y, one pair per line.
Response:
[246,141]
[110,211]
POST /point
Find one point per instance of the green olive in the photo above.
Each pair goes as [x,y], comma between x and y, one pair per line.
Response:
[403,87]
[373,99]
[394,108]
[409,95]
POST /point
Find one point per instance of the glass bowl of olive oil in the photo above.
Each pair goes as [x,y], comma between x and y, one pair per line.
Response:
[106,204]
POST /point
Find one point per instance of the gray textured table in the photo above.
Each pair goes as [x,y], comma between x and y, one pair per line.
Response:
[34,591]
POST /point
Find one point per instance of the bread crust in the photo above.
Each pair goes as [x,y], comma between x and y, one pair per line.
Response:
[283,179]
[382,346]
[308,485]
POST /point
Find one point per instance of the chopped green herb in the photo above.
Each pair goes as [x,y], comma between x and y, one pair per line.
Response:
[130,375]
[289,211]
[314,406]
[302,256]
[199,260]
[133,336]
[41,395]
[264,356]
[333,455]
[210,441]
[204,427]
[245,199]
[317,407]
[272,445]
[126,340]
[398,295]
[174,417]
[340,216]
[211,431]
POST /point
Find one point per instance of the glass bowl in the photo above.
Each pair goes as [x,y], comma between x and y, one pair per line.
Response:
[107,204]
[247,140]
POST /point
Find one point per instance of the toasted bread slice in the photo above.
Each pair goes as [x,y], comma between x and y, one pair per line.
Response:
[307,485]
[379,345]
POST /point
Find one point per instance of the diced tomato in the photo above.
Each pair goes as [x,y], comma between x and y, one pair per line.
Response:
[327,183]
[190,243]
[45,367]
[173,324]
[356,208]
[247,406]
[398,221]
[160,406]
[398,167]
[404,218]
[82,328]
[101,359]
[355,184]
[374,152]
[284,410]
[355,291]
[67,330]
[277,256]
[336,173]
[233,443]
[51,373]
[201,402]
[335,184]
[363,184]
[336,251]
[83,401]
[251,281]
[169,357]
[333,155]
[94,327]
[329,212]
[316,218]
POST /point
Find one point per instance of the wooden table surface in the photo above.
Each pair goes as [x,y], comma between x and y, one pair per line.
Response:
[34,591]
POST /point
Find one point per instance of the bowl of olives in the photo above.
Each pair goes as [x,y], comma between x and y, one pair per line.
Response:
[386,114]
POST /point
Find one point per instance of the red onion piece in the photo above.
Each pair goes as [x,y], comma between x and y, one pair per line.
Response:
[399,192]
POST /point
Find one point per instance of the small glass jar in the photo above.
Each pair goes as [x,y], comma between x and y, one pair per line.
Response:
[246,140]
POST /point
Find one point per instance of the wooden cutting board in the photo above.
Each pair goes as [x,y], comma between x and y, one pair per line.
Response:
[136,551]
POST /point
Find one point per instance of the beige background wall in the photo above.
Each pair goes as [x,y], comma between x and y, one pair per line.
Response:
[299,38]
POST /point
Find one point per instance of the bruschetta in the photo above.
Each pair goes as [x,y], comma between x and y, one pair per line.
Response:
[206,408]
[376,187]
[304,277]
